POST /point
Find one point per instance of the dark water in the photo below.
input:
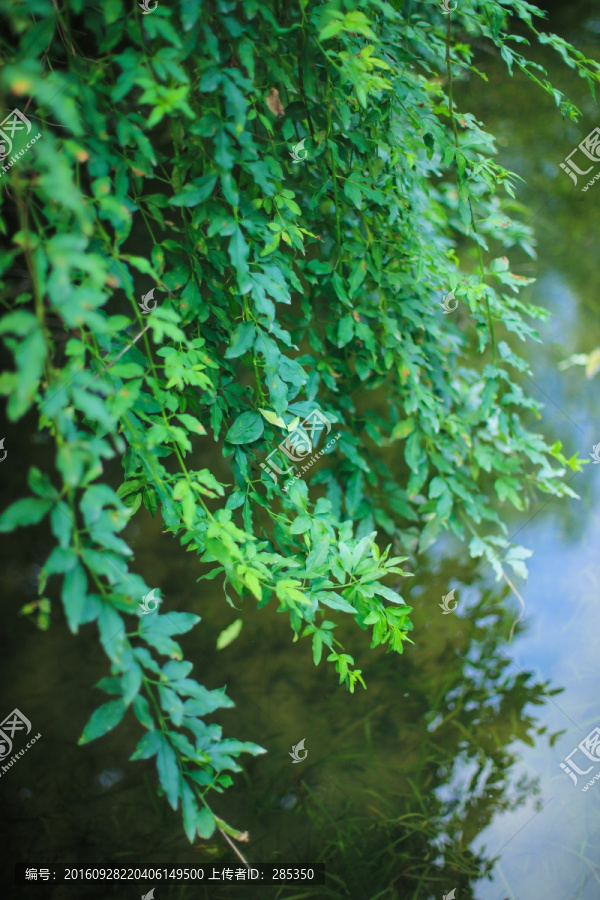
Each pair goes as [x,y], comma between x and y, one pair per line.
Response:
[445,773]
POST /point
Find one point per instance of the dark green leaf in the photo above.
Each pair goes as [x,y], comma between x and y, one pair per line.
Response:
[104,719]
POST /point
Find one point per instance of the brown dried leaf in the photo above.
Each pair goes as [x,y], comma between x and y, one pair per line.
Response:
[274,103]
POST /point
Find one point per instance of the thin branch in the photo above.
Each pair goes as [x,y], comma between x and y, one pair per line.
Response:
[234,848]
[513,588]
[122,353]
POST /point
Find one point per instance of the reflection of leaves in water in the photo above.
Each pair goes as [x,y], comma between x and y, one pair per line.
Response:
[444,766]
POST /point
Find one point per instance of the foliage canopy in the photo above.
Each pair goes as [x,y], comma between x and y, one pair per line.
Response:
[166,162]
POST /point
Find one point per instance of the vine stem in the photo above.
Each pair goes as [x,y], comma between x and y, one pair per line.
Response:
[122,353]
[333,163]
[515,591]
[233,847]
[455,130]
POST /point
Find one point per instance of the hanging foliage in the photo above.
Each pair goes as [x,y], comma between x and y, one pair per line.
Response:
[233,233]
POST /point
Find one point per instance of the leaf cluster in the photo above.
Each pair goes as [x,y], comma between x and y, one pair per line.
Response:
[283,287]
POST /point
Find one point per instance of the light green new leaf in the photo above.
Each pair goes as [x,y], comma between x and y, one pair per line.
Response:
[229,634]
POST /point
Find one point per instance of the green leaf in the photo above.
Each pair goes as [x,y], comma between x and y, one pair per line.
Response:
[190,10]
[41,485]
[205,823]
[168,771]
[229,634]
[242,340]
[208,480]
[112,633]
[74,596]
[272,418]
[131,682]
[335,601]
[300,525]
[148,746]
[171,704]
[157,630]
[317,557]
[345,331]
[19,322]
[30,357]
[238,253]
[357,277]
[195,193]
[412,451]
[317,645]
[29,511]
[437,487]
[236,104]
[402,429]
[104,719]
[141,708]
[62,559]
[191,423]
[429,534]
[247,428]
[61,522]
[189,808]
[388,593]
[331,30]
